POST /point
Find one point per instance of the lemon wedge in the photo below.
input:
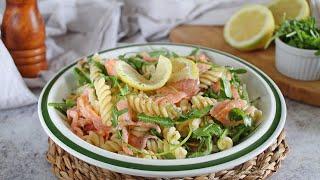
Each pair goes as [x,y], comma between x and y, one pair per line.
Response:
[183,68]
[289,9]
[130,76]
[250,28]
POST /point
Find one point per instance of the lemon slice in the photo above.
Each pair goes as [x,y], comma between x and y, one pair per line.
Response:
[289,9]
[183,68]
[130,76]
[250,28]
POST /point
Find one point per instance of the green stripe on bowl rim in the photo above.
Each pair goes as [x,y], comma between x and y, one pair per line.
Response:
[43,101]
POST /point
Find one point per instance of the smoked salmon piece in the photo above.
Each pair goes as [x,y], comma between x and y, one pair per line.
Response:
[145,56]
[110,67]
[172,98]
[235,93]
[126,118]
[203,67]
[221,111]
[189,87]
[87,111]
[140,142]
[216,86]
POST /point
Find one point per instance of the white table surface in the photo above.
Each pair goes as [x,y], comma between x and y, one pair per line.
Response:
[23,144]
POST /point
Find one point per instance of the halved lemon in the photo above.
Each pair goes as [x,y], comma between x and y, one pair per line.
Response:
[250,28]
[289,9]
[183,68]
[130,76]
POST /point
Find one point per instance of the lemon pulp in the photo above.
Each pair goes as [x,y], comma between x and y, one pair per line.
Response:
[250,28]
[130,76]
[183,68]
[289,9]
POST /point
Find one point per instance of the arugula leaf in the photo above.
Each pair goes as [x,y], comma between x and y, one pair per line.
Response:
[63,106]
[209,93]
[81,76]
[205,148]
[115,82]
[113,79]
[115,115]
[207,131]
[300,33]
[195,113]
[236,137]
[237,114]
[119,134]
[156,133]
[244,93]
[167,122]
[236,71]
[226,87]
[100,66]
[224,133]
[194,52]
[134,61]
[124,90]
[235,81]
[218,96]
[157,53]
[173,55]
[240,131]
[239,71]
[169,156]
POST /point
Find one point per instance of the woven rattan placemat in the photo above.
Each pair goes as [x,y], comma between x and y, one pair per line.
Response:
[66,166]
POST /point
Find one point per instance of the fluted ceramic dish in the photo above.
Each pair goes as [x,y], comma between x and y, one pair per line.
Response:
[259,84]
[301,64]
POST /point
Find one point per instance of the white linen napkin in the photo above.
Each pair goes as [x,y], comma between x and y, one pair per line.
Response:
[13,90]
[76,28]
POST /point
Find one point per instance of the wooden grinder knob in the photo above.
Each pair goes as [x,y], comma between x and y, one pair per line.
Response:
[23,33]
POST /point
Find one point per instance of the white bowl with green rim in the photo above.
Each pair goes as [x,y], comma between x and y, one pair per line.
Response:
[259,85]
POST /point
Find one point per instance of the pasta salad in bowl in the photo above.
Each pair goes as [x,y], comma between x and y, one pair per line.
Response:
[162,110]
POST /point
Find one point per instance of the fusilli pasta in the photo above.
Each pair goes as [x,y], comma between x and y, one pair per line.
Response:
[253,112]
[200,102]
[103,93]
[185,126]
[155,145]
[185,105]
[209,77]
[113,145]
[139,131]
[171,135]
[143,104]
[147,154]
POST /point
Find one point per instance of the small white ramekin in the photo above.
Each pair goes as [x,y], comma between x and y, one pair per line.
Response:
[297,63]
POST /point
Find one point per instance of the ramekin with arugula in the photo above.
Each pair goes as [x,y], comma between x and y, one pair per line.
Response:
[298,49]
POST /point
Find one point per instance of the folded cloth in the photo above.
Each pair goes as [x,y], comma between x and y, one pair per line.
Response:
[155,18]
[76,28]
[13,89]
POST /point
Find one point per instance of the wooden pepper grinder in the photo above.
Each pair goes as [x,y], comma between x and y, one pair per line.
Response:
[23,33]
